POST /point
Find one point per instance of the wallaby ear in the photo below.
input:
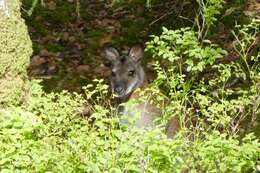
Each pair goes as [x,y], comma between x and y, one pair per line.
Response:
[136,52]
[111,53]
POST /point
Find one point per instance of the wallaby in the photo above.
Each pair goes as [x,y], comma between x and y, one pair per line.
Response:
[128,75]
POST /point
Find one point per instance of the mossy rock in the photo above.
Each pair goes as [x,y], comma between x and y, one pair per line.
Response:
[15,52]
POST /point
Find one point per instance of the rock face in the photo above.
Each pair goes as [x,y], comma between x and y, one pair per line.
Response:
[15,52]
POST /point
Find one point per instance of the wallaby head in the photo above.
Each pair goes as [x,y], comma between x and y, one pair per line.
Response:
[127,73]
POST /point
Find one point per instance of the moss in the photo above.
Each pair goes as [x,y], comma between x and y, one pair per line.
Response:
[15,52]
[13,89]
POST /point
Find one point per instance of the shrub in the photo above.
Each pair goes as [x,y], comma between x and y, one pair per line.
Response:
[51,135]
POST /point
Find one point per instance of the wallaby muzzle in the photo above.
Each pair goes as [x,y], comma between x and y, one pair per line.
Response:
[119,89]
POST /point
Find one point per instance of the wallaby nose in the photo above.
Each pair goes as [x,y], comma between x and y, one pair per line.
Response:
[119,89]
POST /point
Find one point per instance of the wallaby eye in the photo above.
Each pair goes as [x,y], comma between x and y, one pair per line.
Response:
[113,74]
[131,73]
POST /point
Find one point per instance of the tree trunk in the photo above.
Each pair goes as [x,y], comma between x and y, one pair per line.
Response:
[15,52]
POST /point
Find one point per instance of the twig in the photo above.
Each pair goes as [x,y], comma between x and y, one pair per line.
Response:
[255,108]
[172,10]
[161,17]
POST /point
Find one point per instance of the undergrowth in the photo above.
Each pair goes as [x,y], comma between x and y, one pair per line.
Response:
[50,134]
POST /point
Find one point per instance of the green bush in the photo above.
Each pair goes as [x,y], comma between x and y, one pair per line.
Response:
[192,92]
[51,135]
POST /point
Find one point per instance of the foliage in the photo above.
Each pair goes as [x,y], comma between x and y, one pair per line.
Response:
[182,47]
[219,100]
[245,40]
[188,59]
[207,15]
[49,134]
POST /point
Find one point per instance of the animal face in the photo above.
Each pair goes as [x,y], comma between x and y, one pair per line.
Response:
[126,71]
